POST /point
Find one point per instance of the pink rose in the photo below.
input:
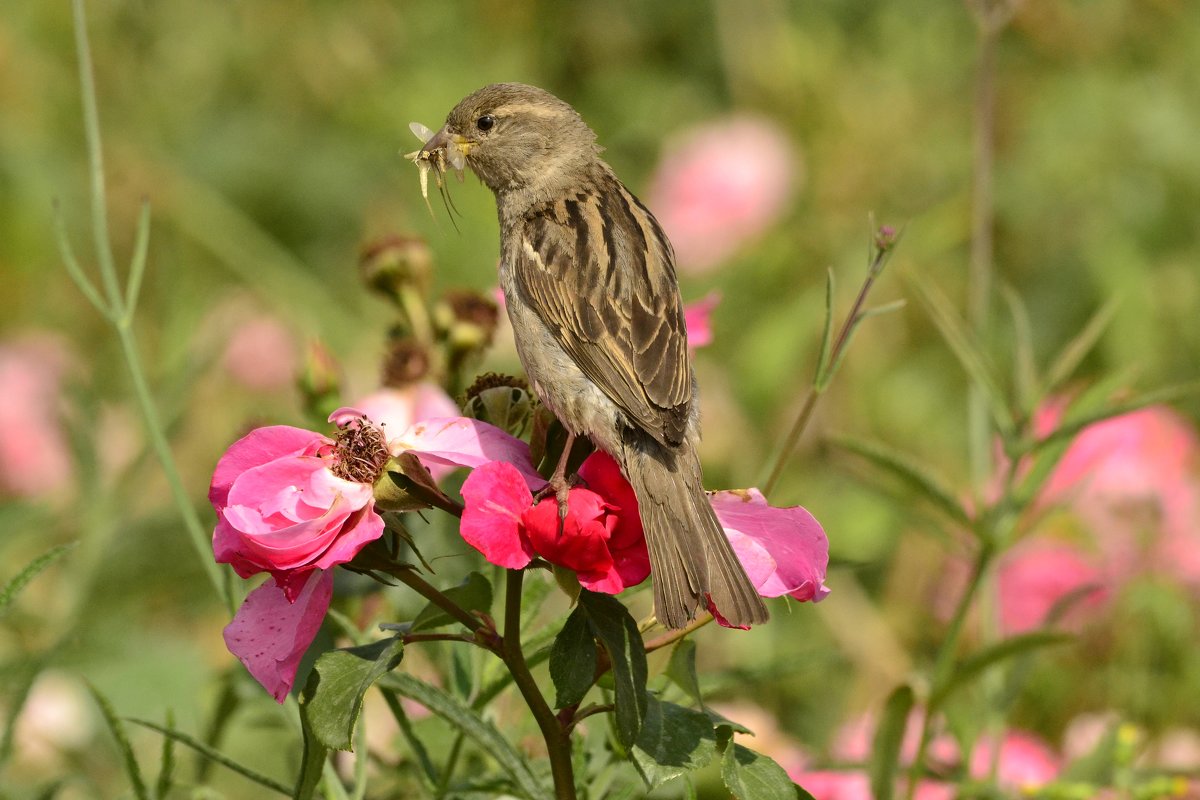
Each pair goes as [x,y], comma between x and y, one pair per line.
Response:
[282,508]
[601,538]
[395,410]
[721,185]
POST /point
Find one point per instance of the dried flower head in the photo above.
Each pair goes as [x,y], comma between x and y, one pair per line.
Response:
[361,451]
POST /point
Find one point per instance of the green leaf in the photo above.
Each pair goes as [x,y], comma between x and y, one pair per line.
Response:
[118,733]
[673,740]
[213,755]
[753,776]
[1076,350]
[885,750]
[962,343]
[618,632]
[972,667]
[166,769]
[483,733]
[915,475]
[334,693]
[18,582]
[573,660]
[1025,378]
[681,670]
[473,594]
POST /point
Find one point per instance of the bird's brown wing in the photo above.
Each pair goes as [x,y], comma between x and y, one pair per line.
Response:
[599,272]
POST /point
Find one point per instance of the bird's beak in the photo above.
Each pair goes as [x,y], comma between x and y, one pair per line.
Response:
[447,142]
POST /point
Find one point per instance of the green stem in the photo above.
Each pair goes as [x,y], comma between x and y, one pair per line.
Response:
[427,590]
[118,312]
[558,741]
[91,127]
[945,660]
[980,265]
[199,537]
[820,383]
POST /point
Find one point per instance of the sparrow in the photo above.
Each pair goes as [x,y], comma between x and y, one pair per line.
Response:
[589,283]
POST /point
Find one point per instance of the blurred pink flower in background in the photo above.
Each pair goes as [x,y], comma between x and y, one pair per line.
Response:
[34,457]
[262,354]
[56,720]
[697,317]
[1036,574]
[1024,761]
[1134,480]
[396,409]
[720,185]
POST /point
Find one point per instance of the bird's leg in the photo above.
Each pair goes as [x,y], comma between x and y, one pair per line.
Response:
[559,483]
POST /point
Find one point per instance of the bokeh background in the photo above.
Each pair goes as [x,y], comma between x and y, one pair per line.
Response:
[266,137]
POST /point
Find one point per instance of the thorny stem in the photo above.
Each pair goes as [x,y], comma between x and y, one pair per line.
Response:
[119,313]
[852,320]
[558,741]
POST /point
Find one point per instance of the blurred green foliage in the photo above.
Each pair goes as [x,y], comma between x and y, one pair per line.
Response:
[266,135]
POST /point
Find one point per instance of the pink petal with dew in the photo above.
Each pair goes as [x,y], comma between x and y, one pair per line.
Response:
[790,537]
[697,317]
[256,448]
[463,442]
[269,635]
[495,496]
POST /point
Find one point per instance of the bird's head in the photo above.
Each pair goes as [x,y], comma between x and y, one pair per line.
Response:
[517,138]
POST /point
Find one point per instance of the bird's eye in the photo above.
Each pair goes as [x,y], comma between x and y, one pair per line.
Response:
[486,122]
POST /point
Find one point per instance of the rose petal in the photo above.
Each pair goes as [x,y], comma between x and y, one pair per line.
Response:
[790,536]
[269,635]
[583,543]
[258,447]
[464,442]
[496,496]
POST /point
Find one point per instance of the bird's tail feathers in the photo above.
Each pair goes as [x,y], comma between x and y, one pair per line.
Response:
[690,557]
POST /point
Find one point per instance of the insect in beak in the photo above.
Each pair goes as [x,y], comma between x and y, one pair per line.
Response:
[439,153]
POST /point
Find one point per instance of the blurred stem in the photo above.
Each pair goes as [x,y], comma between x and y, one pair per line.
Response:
[558,741]
[944,664]
[825,371]
[119,310]
[991,16]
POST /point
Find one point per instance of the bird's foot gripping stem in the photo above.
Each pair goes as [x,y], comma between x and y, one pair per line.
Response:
[560,484]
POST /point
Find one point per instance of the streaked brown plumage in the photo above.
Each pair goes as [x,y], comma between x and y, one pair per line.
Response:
[589,282]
